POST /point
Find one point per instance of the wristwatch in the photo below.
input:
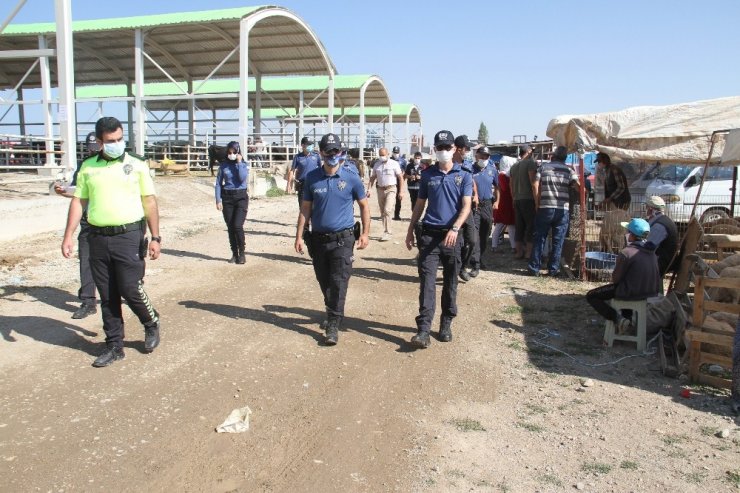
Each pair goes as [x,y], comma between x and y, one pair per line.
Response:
[455,229]
[158,239]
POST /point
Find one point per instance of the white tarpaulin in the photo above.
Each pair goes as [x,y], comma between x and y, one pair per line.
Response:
[678,133]
[731,154]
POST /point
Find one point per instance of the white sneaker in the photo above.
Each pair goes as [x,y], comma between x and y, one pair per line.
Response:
[385,237]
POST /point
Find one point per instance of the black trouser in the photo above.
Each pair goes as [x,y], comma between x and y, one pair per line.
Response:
[414,194]
[299,191]
[118,271]
[599,298]
[431,252]
[470,238]
[235,204]
[332,264]
[397,210]
[483,220]
[524,214]
[87,285]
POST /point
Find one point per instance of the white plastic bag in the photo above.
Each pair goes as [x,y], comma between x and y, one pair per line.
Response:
[236,422]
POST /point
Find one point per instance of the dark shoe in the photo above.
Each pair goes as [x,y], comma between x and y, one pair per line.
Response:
[533,273]
[421,340]
[474,273]
[151,337]
[396,218]
[332,333]
[109,356]
[554,273]
[445,329]
[324,324]
[464,275]
[241,259]
[85,309]
[232,260]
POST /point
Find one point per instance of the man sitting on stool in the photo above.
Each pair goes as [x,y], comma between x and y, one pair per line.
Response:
[635,275]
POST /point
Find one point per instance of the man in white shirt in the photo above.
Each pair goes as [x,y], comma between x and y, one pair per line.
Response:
[389,177]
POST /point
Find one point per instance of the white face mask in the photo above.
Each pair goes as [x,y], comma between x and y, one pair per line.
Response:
[232,157]
[445,156]
[482,163]
[383,159]
[468,156]
[627,239]
[114,149]
[417,162]
[395,156]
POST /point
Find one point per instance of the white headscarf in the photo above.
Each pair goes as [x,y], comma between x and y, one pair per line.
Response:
[505,164]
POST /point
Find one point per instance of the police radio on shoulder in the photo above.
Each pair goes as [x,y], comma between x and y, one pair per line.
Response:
[158,239]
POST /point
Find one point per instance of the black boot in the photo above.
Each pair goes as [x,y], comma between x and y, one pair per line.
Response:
[445,329]
[151,337]
[421,339]
[234,256]
[332,332]
[86,308]
[241,258]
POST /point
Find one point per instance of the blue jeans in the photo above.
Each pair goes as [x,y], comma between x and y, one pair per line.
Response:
[547,219]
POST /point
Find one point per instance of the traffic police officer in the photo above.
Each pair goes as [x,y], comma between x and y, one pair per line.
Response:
[448,191]
[485,176]
[303,163]
[329,193]
[118,191]
[412,173]
[86,293]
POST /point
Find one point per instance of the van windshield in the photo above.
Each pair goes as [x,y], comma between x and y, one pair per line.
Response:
[675,173]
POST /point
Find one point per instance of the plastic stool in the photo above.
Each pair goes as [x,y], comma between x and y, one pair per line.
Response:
[639,308]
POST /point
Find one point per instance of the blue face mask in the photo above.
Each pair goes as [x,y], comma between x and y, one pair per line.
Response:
[334,160]
[309,149]
[114,149]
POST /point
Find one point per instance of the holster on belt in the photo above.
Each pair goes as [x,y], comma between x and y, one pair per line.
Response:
[418,231]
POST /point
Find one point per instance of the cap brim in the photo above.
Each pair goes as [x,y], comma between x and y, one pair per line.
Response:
[625,224]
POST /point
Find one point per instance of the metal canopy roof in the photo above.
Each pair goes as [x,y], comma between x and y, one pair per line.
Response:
[277,92]
[373,114]
[187,45]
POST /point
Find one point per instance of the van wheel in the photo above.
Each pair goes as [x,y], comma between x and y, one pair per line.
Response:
[712,215]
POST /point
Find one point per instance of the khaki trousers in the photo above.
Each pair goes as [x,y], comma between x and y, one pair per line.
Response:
[386,203]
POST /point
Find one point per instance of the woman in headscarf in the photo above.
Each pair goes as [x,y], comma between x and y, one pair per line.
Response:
[503,215]
[232,198]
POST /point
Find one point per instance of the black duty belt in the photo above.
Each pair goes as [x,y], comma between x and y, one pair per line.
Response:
[327,237]
[118,230]
[433,230]
[485,201]
[233,191]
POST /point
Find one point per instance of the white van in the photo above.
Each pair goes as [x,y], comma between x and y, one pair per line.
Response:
[679,184]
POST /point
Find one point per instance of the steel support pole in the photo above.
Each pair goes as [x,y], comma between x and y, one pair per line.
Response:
[46,98]
[257,111]
[244,27]
[408,141]
[301,108]
[21,113]
[191,114]
[330,106]
[140,130]
[67,114]
[362,123]
[390,130]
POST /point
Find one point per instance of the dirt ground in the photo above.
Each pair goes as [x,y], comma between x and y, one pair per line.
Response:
[494,410]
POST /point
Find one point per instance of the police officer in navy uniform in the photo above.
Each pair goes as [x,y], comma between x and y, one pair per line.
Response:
[412,173]
[396,155]
[303,163]
[232,199]
[118,192]
[446,192]
[86,293]
[329,193]
[485,176]
[469,232]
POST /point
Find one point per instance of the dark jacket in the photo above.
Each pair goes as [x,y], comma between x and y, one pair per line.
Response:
[668,247]
[636,274]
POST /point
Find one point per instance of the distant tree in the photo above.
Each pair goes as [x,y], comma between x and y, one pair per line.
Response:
[482,134]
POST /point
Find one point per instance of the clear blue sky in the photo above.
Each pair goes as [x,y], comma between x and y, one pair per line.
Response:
[512,65]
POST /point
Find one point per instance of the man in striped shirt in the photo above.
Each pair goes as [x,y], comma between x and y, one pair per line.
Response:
[555,180]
